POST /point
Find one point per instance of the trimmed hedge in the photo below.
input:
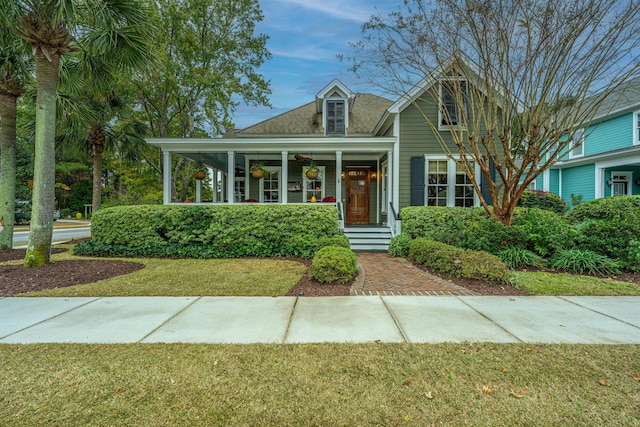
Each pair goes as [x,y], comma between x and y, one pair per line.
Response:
[470,228]
[225,231]
[334,264]
[543,200]
[464,263]
[609,226]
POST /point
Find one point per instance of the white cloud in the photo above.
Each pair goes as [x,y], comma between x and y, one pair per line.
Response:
[343,9]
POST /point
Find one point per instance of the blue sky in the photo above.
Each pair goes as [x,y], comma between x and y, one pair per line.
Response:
[305,37]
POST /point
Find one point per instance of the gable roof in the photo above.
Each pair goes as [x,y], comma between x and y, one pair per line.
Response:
[621,100]
[364,113]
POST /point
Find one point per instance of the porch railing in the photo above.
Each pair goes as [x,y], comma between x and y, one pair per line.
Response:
[394,221]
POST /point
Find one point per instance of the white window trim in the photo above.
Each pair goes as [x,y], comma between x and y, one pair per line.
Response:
[441,105]
[323,186]
[346,115]
[578,134]
[629,181]
[451,178]
[272,169]
[636,128]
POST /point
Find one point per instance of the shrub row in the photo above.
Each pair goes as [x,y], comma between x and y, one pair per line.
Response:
[609,226]
[464,263]
[540,231]
[214,231]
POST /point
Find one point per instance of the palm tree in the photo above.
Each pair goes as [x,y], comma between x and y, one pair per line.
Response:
[14,69]
[117,30]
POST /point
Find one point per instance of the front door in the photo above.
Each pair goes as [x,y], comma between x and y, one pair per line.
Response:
[357,195]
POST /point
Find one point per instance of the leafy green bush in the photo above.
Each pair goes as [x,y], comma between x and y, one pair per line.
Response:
[399,245]
[633,257]
[470,228]
[584,261]
[545,232]
[482,265]
[608,226]
[226,231]
[542,200]
[518,257]
[334,264]
[458,262]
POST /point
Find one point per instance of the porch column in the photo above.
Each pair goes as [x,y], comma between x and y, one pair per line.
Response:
[339,176]
[166,177]
[231,176]
[285,177]
[198,191]
[389,178]
[214,186]
[599,182]
[394,173]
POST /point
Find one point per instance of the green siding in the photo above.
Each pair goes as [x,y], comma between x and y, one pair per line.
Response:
[578,180]
[417,139]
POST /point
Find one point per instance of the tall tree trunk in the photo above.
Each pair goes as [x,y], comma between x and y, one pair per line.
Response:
[7,169]
[96,142]
[42,205]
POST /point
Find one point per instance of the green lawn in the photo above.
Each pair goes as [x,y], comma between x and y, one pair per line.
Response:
[543,283]
[320,384]
[171,277]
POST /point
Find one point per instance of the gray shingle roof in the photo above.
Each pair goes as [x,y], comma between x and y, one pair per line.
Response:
[364,114]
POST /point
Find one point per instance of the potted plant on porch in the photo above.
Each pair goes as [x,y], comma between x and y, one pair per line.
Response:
[311,171]
[257,169]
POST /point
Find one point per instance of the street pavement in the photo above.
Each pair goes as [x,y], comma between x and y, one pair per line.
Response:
[356,319]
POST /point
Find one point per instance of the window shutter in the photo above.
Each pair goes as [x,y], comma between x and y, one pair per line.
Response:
[486,195]
[417,181]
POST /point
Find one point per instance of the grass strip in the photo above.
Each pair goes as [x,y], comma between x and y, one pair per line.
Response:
[543,283]
[319,385]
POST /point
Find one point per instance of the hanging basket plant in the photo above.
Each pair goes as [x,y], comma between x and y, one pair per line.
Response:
[257,169]
[201,172]
[311,171]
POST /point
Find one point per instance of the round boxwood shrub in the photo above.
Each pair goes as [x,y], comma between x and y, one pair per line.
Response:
[399,245]
[333,264]
[542,200]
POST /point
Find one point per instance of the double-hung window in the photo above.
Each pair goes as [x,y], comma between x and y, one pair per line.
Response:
[578,150]
[335,117]
[448,185]
[453,95]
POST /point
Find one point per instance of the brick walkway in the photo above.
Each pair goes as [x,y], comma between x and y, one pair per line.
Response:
[380,274]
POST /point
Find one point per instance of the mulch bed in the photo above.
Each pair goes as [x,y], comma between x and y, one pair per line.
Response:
[15,279]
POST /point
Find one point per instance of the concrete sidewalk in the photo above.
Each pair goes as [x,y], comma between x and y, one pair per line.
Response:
[589,320]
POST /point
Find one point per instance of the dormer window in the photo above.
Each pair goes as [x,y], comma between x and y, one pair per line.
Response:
[335,117]
[333,103]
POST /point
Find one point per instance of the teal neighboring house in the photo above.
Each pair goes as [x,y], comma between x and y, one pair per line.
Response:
[607,163]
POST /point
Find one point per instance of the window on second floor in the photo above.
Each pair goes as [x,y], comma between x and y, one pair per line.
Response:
[578,151]
[335,117]
[451,94]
